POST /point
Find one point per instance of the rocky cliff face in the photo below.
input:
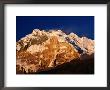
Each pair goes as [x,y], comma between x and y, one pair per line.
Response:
[43,50]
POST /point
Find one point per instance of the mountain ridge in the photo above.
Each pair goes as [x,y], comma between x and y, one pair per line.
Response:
[42,50]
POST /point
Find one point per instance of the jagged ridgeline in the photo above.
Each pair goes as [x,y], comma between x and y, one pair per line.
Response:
[43,50]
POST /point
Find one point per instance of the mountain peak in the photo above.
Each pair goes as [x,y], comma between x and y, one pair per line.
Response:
[42,50]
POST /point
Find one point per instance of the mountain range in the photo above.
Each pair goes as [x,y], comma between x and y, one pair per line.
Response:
[44,50]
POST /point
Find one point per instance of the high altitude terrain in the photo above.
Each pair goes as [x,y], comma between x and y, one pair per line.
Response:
[46,50]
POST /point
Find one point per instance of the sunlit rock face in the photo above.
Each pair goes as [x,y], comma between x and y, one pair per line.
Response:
[43,50]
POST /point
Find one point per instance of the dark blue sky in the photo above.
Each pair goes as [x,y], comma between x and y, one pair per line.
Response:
[81,25]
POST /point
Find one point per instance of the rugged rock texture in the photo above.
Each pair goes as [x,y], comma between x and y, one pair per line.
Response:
[42,51]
